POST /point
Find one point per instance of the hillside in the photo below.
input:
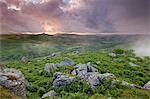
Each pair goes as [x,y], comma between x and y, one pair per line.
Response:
[114,74]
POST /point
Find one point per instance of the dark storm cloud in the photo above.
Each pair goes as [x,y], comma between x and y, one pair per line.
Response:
[95,16]
[114,15]
[135,7]
[129,16]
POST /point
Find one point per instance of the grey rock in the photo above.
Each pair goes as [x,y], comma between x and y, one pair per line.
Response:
[51,93]
[106,75]
[112,54]
[76,52]
[90,74]
[24,59]
[124,83]
[66,62]
[92,78]
[58,75]
[95,78]
[132,59]
[54,55]
[50,67]
[61,79]
[128,84]
[147,86]
[82,69]
[98,62]
[13,80]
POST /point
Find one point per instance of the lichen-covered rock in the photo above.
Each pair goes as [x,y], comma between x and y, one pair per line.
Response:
[66,62]
[92,78]
[61,79]
[124,83]
[95,78]
[14,80]
[106,75]
[50,67]
[82,69]
[51,94]
[147,86]
[90,74]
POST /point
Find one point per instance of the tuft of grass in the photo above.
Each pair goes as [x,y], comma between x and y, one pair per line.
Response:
[7,94]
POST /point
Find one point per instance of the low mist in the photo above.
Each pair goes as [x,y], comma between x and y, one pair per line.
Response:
[142,46]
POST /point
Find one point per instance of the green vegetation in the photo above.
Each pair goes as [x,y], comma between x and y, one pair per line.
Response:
[14,47]
[6,94]
[116,62]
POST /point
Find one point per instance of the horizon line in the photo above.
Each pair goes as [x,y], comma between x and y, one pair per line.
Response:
[75,33]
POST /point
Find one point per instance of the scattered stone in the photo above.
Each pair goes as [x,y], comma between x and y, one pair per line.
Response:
[124,83]
[54,55]
[112,54]
[50,67]
[67,62]
[24,59]
[51,94]
[61,79]
[106,75]
[147,86]
[76,52]
[98,62]
[14,81]
[132,59]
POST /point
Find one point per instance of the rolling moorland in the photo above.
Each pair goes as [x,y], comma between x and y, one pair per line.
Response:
[75,67]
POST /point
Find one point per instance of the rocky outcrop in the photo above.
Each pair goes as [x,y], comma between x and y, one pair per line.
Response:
[13,80]
[82,69]
[61,79]
[50,67]
[147,86]
[50,94]
[95,78]
[90,74]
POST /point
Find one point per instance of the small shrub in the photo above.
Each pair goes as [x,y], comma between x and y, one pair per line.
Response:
[41,91]
[118,51]
[32,88]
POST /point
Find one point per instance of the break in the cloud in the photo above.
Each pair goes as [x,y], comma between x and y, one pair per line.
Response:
[125,16]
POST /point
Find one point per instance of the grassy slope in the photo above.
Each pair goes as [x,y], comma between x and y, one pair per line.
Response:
[14,47]
[41,83]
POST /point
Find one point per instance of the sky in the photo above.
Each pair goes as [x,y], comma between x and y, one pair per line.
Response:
[78,16]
